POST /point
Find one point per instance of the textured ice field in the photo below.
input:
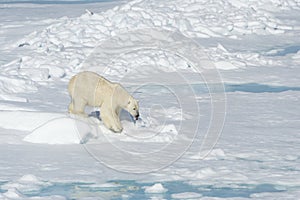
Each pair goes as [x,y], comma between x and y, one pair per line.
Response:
[47,154]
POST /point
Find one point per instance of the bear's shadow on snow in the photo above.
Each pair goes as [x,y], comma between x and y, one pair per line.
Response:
[124,115]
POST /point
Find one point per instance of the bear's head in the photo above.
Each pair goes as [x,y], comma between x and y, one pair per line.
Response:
[133,108]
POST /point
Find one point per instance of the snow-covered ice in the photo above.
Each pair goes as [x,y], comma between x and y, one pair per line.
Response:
[156,188]
[186,195]
[254,47]
[60,131]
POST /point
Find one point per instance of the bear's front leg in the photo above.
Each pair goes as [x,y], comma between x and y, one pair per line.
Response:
[117,124]
[110,123]
[116,116]
[117,129]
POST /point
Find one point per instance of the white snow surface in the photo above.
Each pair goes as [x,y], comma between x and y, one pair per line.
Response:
[255,46]
[186,195]
[61,48]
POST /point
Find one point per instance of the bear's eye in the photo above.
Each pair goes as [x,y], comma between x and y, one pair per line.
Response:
[134,108]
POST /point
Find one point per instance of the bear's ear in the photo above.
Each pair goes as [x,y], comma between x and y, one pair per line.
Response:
[129,102]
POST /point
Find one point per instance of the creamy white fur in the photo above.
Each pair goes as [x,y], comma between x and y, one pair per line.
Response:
[89,88]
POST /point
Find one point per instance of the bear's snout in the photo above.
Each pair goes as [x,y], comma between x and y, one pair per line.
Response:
[137,116]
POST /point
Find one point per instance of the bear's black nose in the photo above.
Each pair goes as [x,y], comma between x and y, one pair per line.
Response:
[137,116]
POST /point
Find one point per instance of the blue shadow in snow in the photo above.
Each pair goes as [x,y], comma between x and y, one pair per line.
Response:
[202,88]
[247,87]
[258,88]
[1,184]
[287,50]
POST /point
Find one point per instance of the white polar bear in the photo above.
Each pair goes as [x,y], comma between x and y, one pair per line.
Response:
[89,88]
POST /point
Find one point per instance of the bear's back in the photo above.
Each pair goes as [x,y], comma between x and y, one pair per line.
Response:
[86,83]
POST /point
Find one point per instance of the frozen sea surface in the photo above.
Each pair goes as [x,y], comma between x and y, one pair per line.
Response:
[120,189]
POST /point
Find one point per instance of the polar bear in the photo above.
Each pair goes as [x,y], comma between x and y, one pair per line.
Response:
[89,88]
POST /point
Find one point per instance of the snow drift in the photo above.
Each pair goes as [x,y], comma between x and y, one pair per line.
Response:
[59,50]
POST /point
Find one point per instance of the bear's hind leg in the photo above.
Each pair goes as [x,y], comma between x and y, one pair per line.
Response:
[71,107]
[78,107]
